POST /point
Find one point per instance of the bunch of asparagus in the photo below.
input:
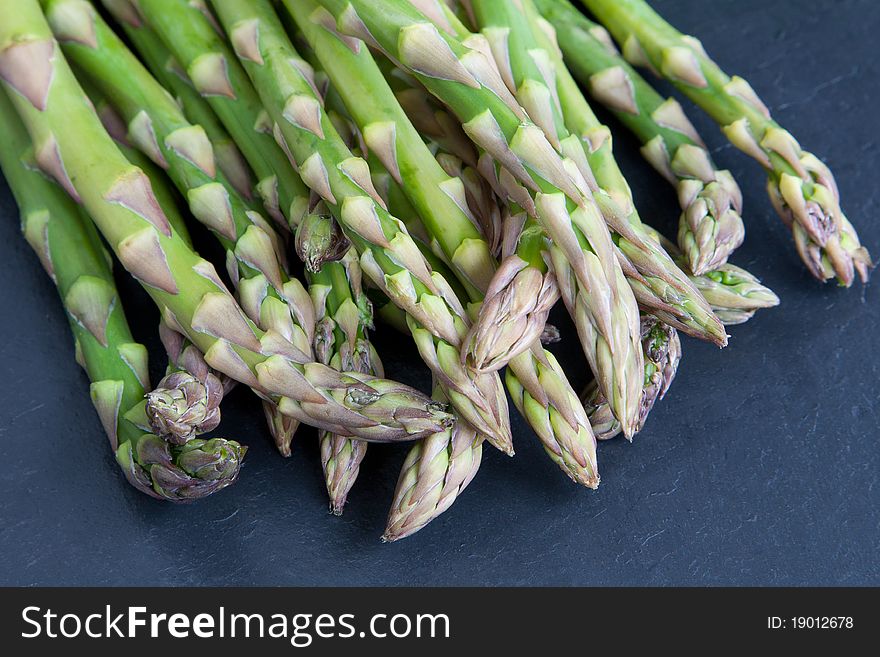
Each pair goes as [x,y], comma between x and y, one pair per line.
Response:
[436,165]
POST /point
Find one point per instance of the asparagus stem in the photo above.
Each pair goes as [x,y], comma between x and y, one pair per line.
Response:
[536,382]
[801,186]
[170,74]
[532,175]
[440,200]
[710,227]
[186,402]
[388,254]
[516,303]
[661,287]
[344,315]
[157,125]
[67,245]
[72,146]
[187,30]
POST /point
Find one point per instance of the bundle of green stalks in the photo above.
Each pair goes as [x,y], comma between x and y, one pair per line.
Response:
[424,166]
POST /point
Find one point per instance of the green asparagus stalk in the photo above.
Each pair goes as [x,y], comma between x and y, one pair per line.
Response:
[189,31]
[186,402]
[710,227]
[430,118]
[801,186]
[505,328]
[536,382]
[157,125]
[435,472]
[170,74]
[524,166]
[69,249]
[344,314]
[524,290]
[662,349]
[72,146]
[389,257]
[440,199]
[547,90]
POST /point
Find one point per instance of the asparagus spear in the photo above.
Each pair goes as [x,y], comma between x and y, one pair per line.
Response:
[389,256]
[801,186]
[170,74]
[186,402]
[532,175]
[523,290]
[435,472]
[344,315]
[662,349]
[550,92]
[72,146]
[710,227]
[157,125]
[70,251]
[187,30]
[536,382]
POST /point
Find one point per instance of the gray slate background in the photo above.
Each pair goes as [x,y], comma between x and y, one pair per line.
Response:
[760,467]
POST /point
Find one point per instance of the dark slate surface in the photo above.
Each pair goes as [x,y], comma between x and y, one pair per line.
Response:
[759,468]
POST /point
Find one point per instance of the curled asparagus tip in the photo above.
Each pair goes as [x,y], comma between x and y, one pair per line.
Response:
[711,227]
[183,406]
[735,294]
[436,470]
[180,473]
[662,348]
[319,239]
[341,459]
[809,203]
[512,317]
